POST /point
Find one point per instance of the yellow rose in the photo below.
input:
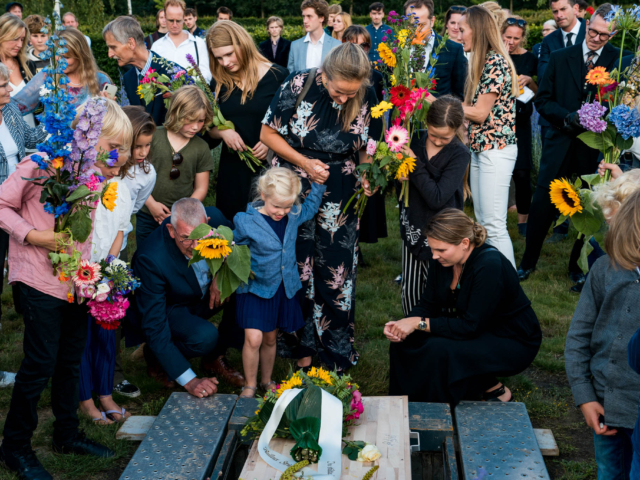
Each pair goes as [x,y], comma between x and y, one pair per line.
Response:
[369,453]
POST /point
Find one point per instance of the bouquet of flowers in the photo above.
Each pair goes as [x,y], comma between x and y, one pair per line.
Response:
[70,185]
[106,285]
[154,84]
[401,53]
[230,262]
[219,121]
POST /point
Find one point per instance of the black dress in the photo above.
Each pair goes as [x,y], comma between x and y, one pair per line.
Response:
[235,178]
[526,64]
[484,329]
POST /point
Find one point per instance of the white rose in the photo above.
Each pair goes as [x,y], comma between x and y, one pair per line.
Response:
[103,288]
[369,453]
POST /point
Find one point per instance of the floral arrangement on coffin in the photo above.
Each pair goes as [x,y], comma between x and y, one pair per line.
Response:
[402,53]
[231,263]
[612,121]
[70,186]
[105,285]
[154,84]
[247,156]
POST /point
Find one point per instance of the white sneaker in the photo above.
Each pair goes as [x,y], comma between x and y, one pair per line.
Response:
[7,379]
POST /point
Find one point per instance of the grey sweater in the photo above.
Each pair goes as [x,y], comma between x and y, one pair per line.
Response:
[607,316]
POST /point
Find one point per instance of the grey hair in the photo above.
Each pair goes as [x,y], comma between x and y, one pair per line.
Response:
[190,211]
[123,28]
[5,74]
[69,14]
[551,23]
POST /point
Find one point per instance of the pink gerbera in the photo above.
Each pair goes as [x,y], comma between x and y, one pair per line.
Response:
[88,273]
[396,137]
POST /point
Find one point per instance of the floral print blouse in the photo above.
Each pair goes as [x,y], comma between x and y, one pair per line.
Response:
[499,128]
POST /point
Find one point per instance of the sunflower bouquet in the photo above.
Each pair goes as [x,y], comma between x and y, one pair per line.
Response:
[231,263]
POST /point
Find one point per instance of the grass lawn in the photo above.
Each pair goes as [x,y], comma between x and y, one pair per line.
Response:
[543,387]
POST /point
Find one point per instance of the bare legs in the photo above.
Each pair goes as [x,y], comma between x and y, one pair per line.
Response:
[259,348]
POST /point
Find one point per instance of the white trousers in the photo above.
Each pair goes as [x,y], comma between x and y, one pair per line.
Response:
[490,177]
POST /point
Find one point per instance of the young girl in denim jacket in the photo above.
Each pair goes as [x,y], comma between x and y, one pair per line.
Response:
[268,302]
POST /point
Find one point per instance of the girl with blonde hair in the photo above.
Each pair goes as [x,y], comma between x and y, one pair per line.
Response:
[244,83]
[341,22]
[489,106]
[319,123]
[268,303]
[85,80]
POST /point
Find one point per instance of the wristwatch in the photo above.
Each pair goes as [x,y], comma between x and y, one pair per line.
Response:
[422,325]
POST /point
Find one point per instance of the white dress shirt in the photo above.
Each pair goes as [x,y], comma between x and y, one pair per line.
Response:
[575,30]
[314,51]
[178,55]
[585,52]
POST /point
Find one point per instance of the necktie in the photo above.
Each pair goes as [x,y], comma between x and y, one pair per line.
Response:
[590,63]
[569,42]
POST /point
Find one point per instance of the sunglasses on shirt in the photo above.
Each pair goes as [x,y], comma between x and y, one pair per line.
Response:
[516,21]
[177,159]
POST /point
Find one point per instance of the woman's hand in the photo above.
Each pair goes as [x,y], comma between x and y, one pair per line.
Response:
[616,171]
[524,81]
[158,210]
[232,140]
[366,186]
[317,171]
[260,151]
[399,330]
[46,239]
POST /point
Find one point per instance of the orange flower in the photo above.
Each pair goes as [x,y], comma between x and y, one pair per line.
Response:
[420,38]
[69,297]
[399,156]
[57,162]
[598,76]
[63,277]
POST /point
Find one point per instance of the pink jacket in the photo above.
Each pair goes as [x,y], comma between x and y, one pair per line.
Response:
[21,212]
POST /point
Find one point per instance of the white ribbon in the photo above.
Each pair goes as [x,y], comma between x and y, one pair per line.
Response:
[330,439]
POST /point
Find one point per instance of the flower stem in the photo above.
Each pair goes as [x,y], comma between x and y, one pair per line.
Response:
[615,99]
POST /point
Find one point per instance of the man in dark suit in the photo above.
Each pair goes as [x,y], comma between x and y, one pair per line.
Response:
[451,67]
[125,41]
[175,302]
[276,49]
[562,92]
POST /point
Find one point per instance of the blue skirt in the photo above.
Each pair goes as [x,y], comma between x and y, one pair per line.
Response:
[267,314]
[98,362]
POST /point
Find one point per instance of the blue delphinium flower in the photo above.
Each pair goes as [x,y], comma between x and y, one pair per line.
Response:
[626,121]
[612,13]
[42,165]
[113,158]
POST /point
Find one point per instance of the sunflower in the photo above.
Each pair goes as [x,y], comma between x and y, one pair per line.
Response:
[406,167]
[565,197]
[400,95]
[387,55]
[321,374]
[598,76]
[293,382]
[378,110]
[88,273]
[213,248]
[109,196]
[139,91]
[402,36]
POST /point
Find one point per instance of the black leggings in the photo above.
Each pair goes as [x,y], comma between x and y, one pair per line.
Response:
[522,181]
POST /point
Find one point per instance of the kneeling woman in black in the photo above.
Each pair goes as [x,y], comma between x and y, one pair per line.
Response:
[473,323]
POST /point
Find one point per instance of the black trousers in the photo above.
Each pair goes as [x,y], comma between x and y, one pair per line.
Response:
[55,334]
[145,225]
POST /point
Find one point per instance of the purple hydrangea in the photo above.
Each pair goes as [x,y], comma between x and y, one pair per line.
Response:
[591,117]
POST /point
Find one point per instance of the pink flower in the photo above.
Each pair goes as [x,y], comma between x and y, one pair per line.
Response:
[93,184]
[88,273]
[108,313]
[101,297]
[86,291]
[371,147]
[396,137]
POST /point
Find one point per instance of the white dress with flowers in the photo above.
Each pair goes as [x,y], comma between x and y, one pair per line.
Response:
[106,224]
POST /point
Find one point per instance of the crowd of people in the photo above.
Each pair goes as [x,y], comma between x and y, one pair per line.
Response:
[297,108]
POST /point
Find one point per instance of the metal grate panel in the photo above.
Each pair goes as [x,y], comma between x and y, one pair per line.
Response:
[499,438]
[184,441]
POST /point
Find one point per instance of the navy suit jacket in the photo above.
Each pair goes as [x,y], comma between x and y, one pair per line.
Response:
[554,41]
[166,282]
[156,108]
[451,69]
[282,51]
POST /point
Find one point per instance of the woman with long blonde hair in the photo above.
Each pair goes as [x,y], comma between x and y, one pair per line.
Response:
[325,135]
[341,22]
[490,107]
[85,80]
[14,37]
[244,82]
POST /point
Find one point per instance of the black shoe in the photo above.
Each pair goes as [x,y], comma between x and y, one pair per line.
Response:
[81,445]
[577,277]
[25,463]
[126,389]
[522,230]
[577,288]
[524,274]
[555,238]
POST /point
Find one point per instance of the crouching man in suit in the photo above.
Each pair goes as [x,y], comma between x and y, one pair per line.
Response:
[176,301]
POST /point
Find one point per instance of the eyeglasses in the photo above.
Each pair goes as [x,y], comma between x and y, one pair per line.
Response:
[175,21]
[177,159]
[457,9]
[603,36]
[187,241]
[516,21]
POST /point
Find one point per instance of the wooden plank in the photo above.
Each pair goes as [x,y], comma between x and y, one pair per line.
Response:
[135,428]
[546,442]
[385,423]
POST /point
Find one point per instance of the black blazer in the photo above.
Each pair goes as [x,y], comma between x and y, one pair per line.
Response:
[562,91]
[553,42]
[282,51]
[451,69]
[156,108]
[167,281]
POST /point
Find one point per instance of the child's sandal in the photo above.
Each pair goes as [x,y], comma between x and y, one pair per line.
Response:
[265,386]
[247,387]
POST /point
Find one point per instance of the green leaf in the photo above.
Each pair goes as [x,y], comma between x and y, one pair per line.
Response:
[623,144]
[385,161]
[406,56]
[228,282]
[80,223]
[265,412]
[54,257]
[64,257]
[593,179]
[561,220]
[200,231]
[593,140]
[291,412]
[239,261]
[226,233]
[600,234]
[195,258]
[577,184]
[214,265]
[80,192]
[586,223]
[312,401]
[422,79]
[583,262]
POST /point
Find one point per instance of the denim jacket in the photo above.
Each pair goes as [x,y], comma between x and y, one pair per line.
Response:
[271,261]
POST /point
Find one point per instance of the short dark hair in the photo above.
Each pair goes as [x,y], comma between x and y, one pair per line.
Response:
[190,11]
[571,2]
[582,4]
[321,7]
[376,7]
[418,4]
[602,10]
[353,31]
[226,11]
